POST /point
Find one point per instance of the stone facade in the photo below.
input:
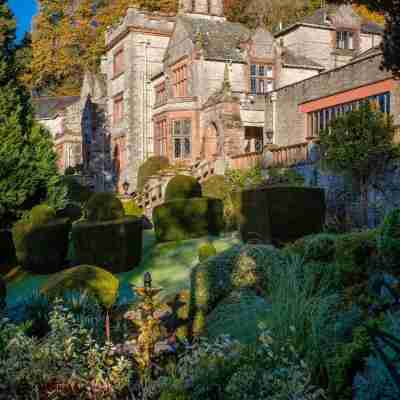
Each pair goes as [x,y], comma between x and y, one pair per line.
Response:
[354,81]
[192,86]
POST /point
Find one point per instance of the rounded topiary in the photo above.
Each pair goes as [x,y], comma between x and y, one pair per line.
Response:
[206,250]
[389,239]
[217,187]
[98,282]
[104,207]
[3,293]
[182,187]
[150,167]
[41,214]
[132,209]
[320,248]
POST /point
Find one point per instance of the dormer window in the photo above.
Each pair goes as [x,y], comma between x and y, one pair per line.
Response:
[261,78]
[345,40]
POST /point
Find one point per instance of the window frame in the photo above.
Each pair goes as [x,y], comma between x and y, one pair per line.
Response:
[180,81]
[184,138]
[260,81]
[118,109]
[345,39]
[118,62]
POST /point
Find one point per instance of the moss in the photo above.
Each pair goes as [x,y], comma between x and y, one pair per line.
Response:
[113,245]
[182,187]
[287,213]
[98,282]
[185,219]
[104,207]
[206,250]
[42,248]
[40,214]
[150,167]
[389,240]
[132,209]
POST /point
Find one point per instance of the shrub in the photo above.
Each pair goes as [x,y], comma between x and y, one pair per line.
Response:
[3,293]
[178,322]
[73,212]
[287,213]
[206,250]
[284,176]
[76,192]
[185,219]
[113,245]
[98,282]
[215,278]
[389,239]
[7,250]
[104,207]
[132,209]
[150,167]
[182,187]
[67,363]
[42,248]
[320,248]
[41,214]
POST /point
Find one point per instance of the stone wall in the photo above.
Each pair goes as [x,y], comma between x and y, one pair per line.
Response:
[291,122]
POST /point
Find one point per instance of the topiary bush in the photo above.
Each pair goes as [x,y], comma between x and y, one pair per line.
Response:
[280,214]
[98,282]
[242,266]
[320,248]
[104,207]
[40,214]
[389,239]
[188,218]
[113,245]
[71,211]
[182,187]
[132,209]
[150,167]
[206,251]
[3,293]
[7,249]
[42,248]
[76,192]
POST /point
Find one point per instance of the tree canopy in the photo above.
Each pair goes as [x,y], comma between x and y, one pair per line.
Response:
[28,170]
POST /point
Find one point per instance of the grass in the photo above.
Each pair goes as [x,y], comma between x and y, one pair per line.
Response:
[169,264]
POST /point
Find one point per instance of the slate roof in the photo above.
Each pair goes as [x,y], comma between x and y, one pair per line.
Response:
[48,107]
[318,18]
[221,39]
[290,58]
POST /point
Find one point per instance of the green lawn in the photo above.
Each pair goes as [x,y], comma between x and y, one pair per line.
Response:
[169,264]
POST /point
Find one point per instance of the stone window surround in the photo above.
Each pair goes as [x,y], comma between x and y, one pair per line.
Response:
[184,138]
[118,62]
[259,62]
[355,36]
[118,108]
[180,78]
[160,94]
[161,136]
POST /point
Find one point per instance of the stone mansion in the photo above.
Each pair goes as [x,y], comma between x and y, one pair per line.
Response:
[194,86]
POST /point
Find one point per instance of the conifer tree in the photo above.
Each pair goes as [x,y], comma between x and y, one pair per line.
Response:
[28,169]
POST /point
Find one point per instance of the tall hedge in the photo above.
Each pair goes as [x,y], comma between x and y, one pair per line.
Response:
[104,207]
[182,187]
[280,214]
[42,248]
[190,218]
[7,249]
[150,167]
[113,245]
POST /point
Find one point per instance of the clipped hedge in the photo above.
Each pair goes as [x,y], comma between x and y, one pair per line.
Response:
[280,214]
[104,207]
[98,282]
[131,208]
[42,248]
[41,214]
[71,211]
[7,249]
[150,167]
[216,187]
[186,219]
[240,267]
[182,187]
[206,251]
[3,293]
[113,245]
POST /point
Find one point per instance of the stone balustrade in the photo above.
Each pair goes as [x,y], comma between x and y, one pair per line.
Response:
[246,160]
[285,156]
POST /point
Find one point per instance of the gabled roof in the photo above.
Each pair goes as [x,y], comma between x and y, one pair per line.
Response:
[318,18]
[291,59]
[220,39]
[48,107]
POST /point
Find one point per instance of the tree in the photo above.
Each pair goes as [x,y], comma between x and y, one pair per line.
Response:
[359,143]
[391,39]
[28,170]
